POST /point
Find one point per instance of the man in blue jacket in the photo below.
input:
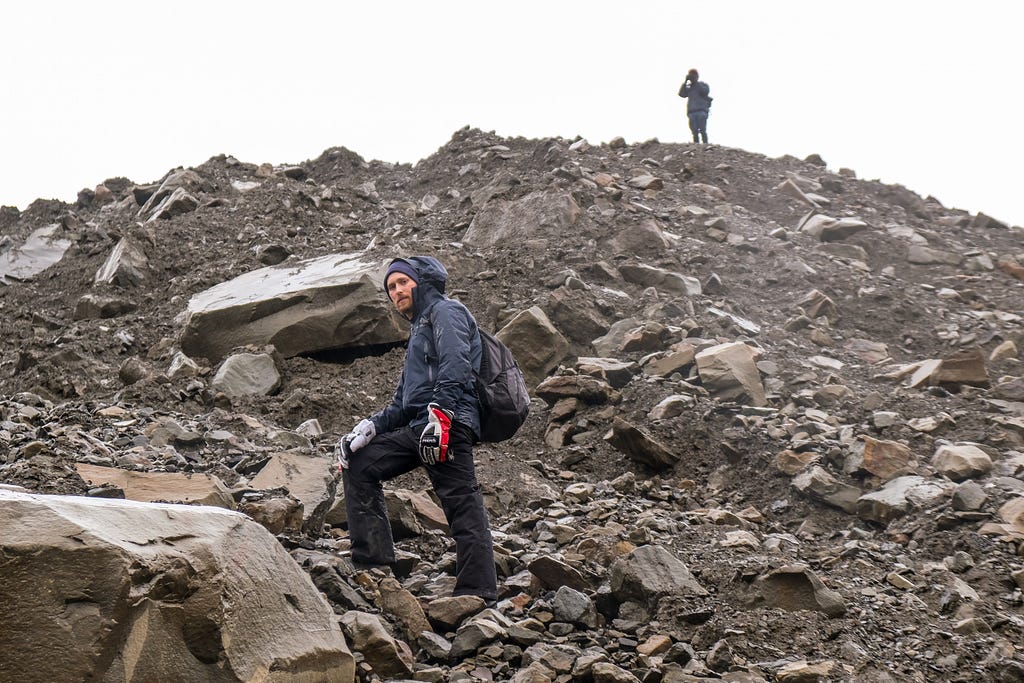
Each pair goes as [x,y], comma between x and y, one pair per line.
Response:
[698,105]
[433,420]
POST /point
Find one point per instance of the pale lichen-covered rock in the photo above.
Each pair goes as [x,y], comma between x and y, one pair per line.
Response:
[537,215]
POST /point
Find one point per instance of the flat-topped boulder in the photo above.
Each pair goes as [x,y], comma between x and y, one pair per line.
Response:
[196,488]
[331,302]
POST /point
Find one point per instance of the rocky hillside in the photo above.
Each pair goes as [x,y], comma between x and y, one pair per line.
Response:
[777,433]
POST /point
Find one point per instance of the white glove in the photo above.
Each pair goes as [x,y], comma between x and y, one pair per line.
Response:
[360,435]
[342,452]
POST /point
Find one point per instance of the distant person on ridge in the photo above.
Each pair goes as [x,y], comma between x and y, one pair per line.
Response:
[698,105]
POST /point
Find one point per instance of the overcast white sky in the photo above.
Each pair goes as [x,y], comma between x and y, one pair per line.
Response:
[924,94]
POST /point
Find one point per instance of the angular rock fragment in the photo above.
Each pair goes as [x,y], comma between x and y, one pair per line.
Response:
[41,249]
[818,304]
[887,459]
[650,573]
[368,634]
[583,387]
[574,314]
[247,374]
[961,461]
[615,372]
[127,265]
[673,361]
[795,587]
[817,483]
[671,406]
[663,280]
[311,480]
[729,373]
[554,572]
[828,229]
[899,496]
[537,346]
[639,446]
[965,367]
[927,256]
[92,306]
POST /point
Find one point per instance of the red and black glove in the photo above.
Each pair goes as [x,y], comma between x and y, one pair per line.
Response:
[434,438]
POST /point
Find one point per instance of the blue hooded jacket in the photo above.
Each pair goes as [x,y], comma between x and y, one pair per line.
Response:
[698,96]
[442,355]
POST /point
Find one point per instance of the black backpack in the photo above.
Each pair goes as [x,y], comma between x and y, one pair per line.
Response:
[501,389]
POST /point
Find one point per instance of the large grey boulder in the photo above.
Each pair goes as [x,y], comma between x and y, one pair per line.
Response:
[665,280]
[330,302]
[901,495]
[111,590]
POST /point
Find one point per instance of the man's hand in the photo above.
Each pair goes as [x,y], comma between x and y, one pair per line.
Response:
[434,438]
[360,435]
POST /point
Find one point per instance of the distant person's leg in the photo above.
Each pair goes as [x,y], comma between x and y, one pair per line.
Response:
[702,126]
[694,126]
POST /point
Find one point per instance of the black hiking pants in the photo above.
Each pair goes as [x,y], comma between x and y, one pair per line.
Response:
[394,453]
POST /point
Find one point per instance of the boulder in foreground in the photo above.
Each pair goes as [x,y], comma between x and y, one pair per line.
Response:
[112,590]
